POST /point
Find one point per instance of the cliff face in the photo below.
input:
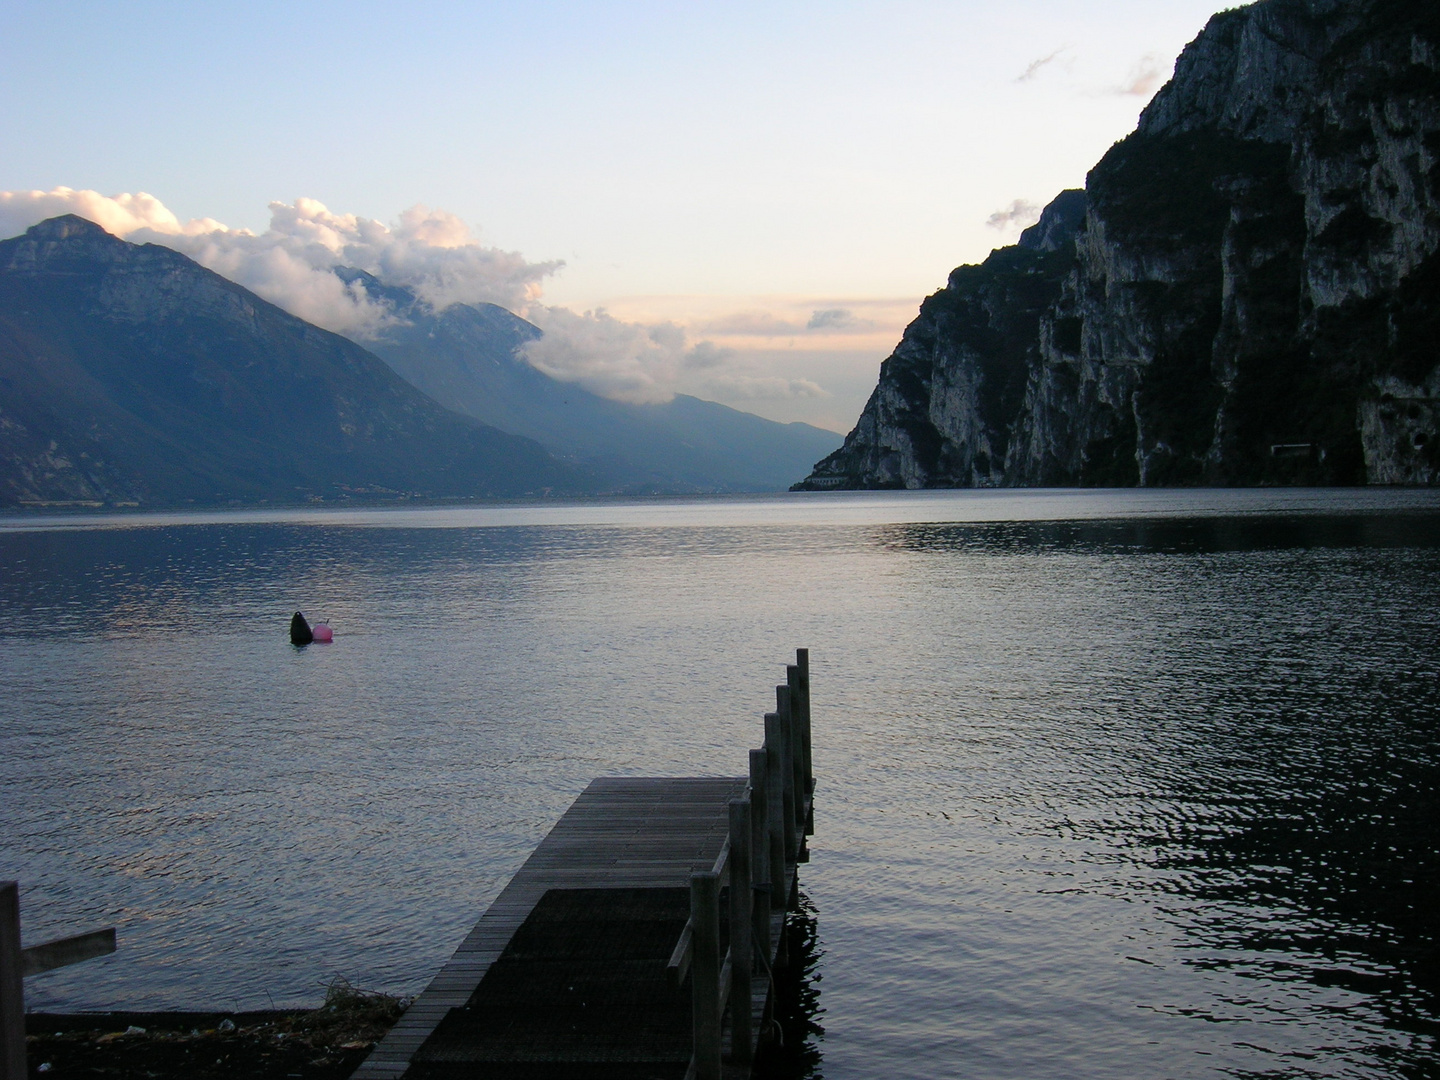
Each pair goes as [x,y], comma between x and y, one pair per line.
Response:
[1247,291]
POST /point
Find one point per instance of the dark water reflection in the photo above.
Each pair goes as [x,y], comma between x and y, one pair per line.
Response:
[1118,797]
[1173,535]
[793,1050]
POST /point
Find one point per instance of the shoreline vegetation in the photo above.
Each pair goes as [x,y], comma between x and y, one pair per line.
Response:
[325,1043]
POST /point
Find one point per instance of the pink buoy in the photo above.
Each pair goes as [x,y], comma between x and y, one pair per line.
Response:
[322,632]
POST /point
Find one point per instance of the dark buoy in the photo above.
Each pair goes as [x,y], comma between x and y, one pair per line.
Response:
[300,630]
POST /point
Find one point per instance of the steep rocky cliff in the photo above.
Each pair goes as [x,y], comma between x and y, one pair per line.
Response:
[1247,291]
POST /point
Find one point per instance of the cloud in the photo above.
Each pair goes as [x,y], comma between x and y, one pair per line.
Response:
[118,214]
[1036,65]
[430,251]
[626,361]
[712,369]
[1144,78]
[749,324]
[743,386]
[647,363]
[706,356]
[766,324]
[832,319]
[438,256]
[1021,212]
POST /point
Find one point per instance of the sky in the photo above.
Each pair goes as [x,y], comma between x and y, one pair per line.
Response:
[742,201]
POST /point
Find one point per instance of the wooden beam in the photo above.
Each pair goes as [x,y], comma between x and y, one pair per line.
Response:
[705,973]
[791,798]
[12,988]
[738,992]
[62,952]
[760,852]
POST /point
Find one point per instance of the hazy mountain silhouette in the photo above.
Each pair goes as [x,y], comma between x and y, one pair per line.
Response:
[466,357]
[131,374]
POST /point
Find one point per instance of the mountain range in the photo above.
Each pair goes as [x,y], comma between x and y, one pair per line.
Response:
[131,375]
[1246,291]
[468,358]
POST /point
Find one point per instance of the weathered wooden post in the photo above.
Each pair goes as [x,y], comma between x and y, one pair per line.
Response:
[802,663]
[775,814]
[705,972]
[12,999]
[787,770]
[760,852]
[802,788]
[741,1038]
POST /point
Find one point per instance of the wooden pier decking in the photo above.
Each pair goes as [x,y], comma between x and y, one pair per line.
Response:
[578,969]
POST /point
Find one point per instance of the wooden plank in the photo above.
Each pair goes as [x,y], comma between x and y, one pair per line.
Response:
[62,952]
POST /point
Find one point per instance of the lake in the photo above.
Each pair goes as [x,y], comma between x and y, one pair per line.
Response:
[1110,783]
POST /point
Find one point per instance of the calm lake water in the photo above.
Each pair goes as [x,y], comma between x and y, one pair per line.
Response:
[1111,784]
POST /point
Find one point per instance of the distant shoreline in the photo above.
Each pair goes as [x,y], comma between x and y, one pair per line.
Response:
[922,506]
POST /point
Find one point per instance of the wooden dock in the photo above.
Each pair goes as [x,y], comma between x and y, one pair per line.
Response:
[636,941]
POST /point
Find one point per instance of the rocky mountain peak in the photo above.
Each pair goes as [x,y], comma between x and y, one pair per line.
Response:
[66,227]
[61,241]
[401,301]
[1058,225]
[1254,71]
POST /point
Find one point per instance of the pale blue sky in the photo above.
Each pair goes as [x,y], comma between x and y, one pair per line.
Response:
[685,160]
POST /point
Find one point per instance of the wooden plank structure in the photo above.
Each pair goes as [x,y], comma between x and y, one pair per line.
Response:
[18,964]
[638,939]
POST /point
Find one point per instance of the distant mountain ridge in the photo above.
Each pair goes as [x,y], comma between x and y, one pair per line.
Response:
[130,374]
[467,358]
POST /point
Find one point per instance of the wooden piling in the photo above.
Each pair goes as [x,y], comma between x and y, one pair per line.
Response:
[802,664]
[741,1036]
[787,773]
[705,972]
[12,994]
[760,853]
[775,813]
[797,742]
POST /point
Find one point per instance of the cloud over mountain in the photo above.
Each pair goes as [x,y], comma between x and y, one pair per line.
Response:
[1021,212]
[117,214]
[644,363]
[291,263]
[436,255]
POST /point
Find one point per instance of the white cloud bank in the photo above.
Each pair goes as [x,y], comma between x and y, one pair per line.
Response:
[290,263]
[435,254]
[645,362]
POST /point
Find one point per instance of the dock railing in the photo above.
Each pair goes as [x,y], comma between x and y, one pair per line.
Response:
[768,826]
[18,964]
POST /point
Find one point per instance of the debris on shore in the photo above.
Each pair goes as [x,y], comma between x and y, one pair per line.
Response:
[327,1043]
